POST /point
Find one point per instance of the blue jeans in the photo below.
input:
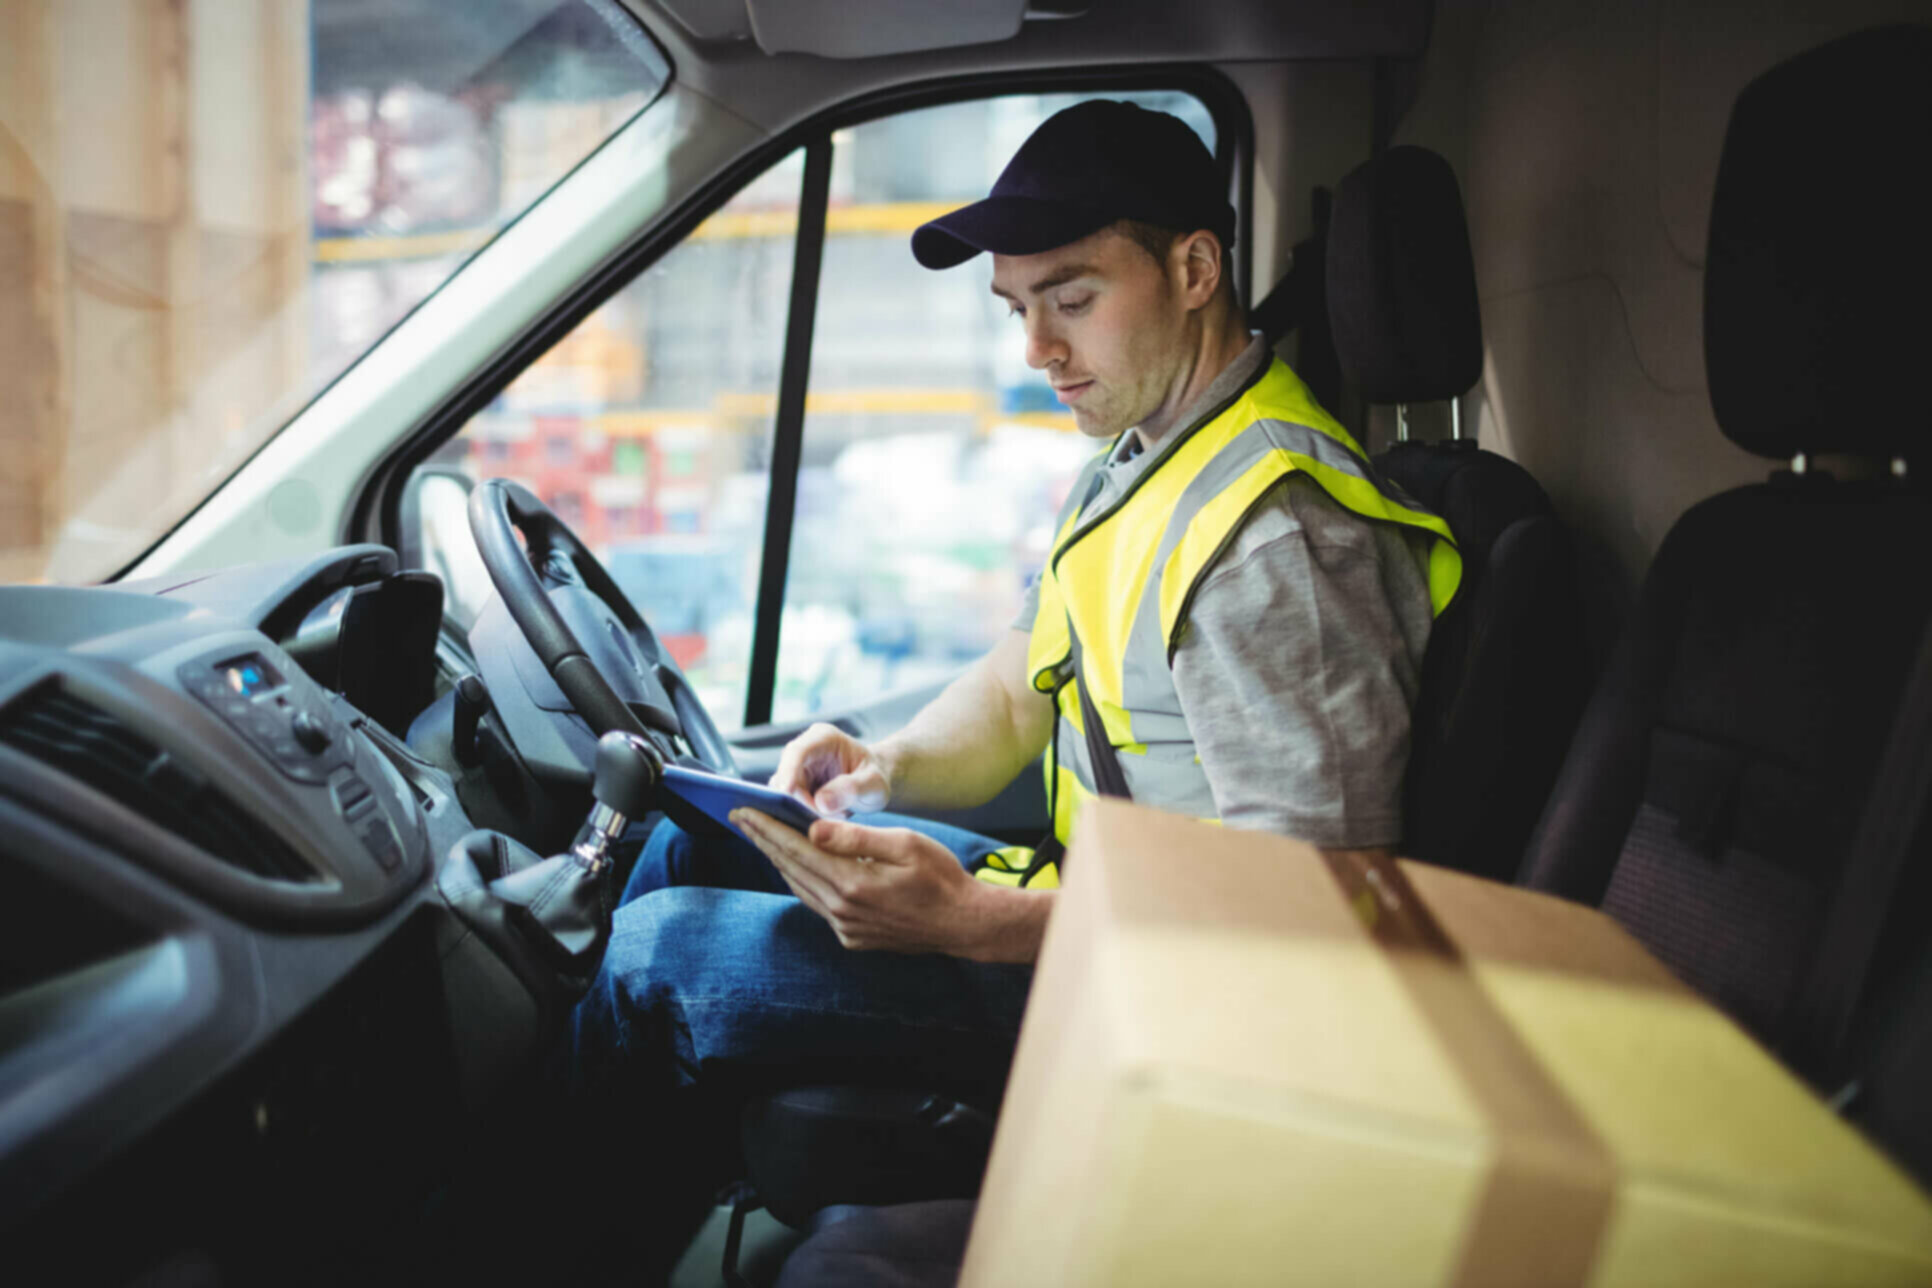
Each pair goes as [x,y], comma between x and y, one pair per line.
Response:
[717,977]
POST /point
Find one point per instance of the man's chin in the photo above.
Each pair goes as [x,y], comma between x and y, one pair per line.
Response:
[1095,426]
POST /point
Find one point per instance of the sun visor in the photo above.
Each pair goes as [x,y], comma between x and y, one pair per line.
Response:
[710,19]
[867,28]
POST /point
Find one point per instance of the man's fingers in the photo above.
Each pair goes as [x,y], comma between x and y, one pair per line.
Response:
[835,797]
[790,762]
[860,792]
[768,834]
[845,839]
[793,856]
[831,771]
[856,840]
[875,886]
[803,893]
[809,760]
[797,859]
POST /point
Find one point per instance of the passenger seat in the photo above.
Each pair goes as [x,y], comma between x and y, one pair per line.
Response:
[1725,765]
[1504,677]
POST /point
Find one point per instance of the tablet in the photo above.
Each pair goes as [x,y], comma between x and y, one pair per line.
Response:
[716,795]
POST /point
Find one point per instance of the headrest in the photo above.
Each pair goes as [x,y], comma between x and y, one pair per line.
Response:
[1478,494]
[1401,283]
[1818,281]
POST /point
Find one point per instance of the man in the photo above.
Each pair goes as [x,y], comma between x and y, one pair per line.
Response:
[1244,602]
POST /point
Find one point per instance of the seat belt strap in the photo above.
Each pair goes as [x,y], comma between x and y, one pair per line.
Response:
[1108,776]
[1893,815]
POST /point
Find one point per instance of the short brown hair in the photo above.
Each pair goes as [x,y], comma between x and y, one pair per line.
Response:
[1152,238]
[1157,241]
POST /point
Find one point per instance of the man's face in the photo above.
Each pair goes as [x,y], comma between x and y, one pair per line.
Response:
[1105,324]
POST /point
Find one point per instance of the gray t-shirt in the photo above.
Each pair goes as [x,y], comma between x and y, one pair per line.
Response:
[1302,654]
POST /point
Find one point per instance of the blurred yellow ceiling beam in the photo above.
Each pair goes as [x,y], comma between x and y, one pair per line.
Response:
[891,217]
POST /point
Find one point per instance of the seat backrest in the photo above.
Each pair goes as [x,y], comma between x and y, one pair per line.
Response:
[1503,677]
[1719,775]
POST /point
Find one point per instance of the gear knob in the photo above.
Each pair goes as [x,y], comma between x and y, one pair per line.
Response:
[628,768]
[626,775]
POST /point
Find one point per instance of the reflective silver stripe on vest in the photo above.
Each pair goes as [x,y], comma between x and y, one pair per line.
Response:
[1166,775]
[1082,484]
[1146,681]
[1072,753]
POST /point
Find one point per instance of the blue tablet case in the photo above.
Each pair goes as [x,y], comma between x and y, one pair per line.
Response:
[716,795]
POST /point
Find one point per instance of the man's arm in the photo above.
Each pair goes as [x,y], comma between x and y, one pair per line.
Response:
[959,751]
[974,738]
[1298,671]
[895,890]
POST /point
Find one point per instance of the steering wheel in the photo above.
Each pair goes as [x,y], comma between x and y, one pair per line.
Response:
[586,632]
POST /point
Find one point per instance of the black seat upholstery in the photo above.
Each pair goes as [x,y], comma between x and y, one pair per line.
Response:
[1711,797]
[1504,678]
[807,1148]
[912,1245]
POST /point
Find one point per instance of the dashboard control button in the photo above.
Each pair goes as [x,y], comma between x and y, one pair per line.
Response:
[310,732]
[381,842]
[352,795]
[283,722]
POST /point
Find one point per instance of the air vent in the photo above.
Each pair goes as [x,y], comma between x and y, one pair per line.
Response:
[85,742]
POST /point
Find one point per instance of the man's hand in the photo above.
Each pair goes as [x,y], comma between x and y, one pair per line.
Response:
[833,772]
[895,890]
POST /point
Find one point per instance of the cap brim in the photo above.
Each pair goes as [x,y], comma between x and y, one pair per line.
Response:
[1005,226]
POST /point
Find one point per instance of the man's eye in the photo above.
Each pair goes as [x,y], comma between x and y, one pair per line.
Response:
[1015,311]
[1071,307]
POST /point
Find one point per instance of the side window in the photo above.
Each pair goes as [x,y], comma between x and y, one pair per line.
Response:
[933,460]
[648,429]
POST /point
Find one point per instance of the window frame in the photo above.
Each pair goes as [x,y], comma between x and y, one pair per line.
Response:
[376,512]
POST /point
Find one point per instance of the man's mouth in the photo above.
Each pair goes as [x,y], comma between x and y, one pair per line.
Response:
[1069,393]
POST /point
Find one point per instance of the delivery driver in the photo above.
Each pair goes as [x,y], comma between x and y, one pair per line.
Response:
[1245,601]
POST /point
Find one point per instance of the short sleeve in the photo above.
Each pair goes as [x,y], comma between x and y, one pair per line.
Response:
[1298,669]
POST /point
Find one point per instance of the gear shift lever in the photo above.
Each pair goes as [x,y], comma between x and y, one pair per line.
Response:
[549,919]
[628,768]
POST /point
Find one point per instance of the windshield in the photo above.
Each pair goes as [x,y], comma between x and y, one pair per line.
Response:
[209,211]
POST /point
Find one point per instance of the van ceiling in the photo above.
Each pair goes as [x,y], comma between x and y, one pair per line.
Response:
[850,28]
[716,44]
[1125,29]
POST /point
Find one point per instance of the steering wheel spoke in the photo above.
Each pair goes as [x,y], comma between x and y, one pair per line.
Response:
[584,629]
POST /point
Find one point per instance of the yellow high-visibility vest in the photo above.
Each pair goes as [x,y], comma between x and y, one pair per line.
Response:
[1121,579]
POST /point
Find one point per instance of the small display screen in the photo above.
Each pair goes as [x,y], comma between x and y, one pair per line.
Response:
[248,676]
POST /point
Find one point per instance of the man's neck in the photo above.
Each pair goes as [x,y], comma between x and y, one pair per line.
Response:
[1221,342]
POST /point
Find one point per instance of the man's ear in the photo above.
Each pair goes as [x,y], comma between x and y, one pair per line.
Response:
[1198,258]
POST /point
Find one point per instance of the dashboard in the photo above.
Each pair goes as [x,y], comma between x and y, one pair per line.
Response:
[231,1002]
[250,1015]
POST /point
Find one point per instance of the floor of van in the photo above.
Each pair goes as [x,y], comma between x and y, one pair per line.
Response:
[766,1243]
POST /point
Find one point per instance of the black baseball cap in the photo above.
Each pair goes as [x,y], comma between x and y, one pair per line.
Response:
[1084,168]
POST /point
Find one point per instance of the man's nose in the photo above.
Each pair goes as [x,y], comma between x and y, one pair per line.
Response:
[1043,347]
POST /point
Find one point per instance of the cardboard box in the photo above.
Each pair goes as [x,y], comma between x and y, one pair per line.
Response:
[1244,1064]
